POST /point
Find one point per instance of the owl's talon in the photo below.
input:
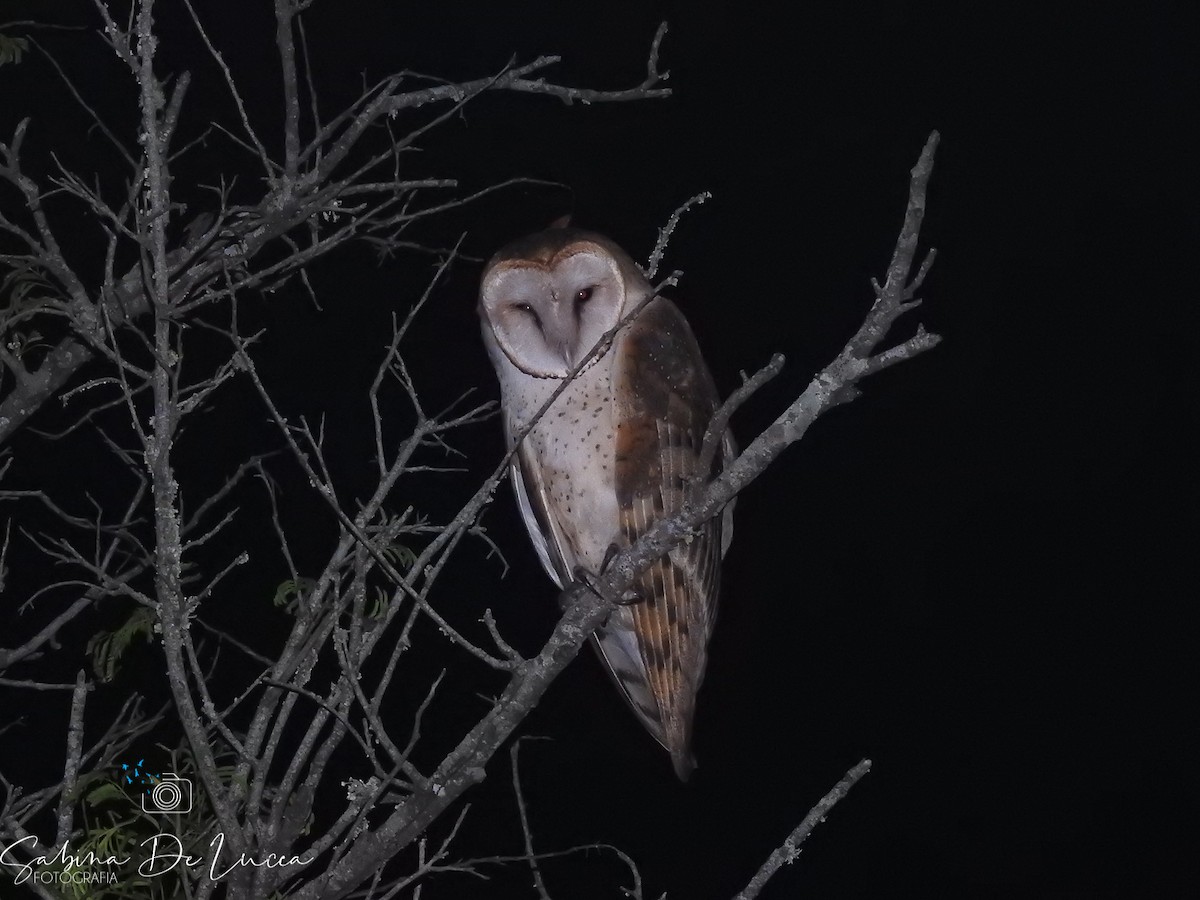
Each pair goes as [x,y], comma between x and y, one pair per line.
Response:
[609,555]
[588,578]
[631,597]
[584,577]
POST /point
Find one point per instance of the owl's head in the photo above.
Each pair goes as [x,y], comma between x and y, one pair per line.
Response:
[548,298]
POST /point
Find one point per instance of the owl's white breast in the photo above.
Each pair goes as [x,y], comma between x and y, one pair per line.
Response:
[574,445]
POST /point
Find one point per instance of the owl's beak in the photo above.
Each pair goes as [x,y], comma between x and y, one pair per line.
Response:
[567,352]
[559,338]
[561,332]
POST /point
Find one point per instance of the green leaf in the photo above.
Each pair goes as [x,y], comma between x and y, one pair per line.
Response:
[108,647]
[289,591]
[105,793]
[12,49]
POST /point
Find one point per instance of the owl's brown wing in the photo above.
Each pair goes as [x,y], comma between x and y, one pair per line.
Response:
[663,399]
[616,643]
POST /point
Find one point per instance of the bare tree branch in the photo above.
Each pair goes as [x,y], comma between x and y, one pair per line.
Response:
[67,798]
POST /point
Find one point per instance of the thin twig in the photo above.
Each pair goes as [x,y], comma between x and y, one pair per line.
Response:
[790,848]
[538,883]
[719,423]
[664,233]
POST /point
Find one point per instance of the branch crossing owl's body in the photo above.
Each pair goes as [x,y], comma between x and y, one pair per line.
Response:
[618,450]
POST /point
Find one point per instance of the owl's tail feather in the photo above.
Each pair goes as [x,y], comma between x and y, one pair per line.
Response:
[685,763]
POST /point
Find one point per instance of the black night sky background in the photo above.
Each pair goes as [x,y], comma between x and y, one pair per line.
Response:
[975,575]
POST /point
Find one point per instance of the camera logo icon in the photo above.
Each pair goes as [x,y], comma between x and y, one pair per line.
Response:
[172,794]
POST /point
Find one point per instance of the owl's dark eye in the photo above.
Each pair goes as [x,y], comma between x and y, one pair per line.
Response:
[585,295]
[528,309]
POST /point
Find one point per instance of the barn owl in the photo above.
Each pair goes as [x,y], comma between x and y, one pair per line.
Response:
[619,449]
